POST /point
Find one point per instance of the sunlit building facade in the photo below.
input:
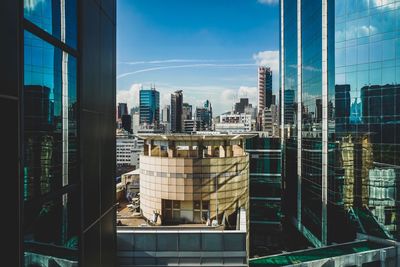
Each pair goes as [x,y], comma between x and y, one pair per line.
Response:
[193,178]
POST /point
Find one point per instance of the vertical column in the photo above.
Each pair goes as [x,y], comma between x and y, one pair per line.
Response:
[64,71]
[282,71]
[150,147]
[171,149]
[299,111]
[324,120]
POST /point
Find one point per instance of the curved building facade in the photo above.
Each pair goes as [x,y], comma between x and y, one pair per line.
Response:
[191,178]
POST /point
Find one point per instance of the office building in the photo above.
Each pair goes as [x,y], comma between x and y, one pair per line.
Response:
[126,143]
[266,192]
[204,115]
[186,111]
[289,106]
[241,105]
[122,110]
[126,123]
[190,126]
[270,121]
[234,123]
[135,122]
[58,102]
[264,88]
[166,114]
[345,135]
[176,111]
[149,107]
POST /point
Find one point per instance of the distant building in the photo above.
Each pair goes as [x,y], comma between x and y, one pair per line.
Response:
[149,107]
[234,123]
[189,126]
[241,106]
[122,110]
[126,123]
[135,122]
[126,143]
[176,111]
[166,114]
[270,121]
[204,115]
[186,111]
[264,88]
[289,106]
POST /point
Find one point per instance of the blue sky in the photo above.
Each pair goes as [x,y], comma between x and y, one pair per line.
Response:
[208,49]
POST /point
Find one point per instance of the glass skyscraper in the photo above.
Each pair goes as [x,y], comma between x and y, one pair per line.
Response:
[58,76]
[342,58]
[149,106]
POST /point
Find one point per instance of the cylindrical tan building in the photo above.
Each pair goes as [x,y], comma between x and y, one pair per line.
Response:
[191,178]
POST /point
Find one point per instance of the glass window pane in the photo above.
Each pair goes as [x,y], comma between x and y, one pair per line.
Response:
[47,15]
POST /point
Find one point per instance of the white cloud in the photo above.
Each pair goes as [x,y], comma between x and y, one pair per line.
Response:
[268,2]
[131,96]
[229,97]
[268,58]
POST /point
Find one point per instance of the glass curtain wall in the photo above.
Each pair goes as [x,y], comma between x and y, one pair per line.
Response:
[51,181]
[366,94]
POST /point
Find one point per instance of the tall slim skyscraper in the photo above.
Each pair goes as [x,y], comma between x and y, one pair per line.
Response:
[149,106]
[62,206]
[166,114]
[346,77]
[264,87]
[176,111]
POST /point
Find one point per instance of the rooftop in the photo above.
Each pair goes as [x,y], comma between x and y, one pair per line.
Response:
[316,254]
[194,137]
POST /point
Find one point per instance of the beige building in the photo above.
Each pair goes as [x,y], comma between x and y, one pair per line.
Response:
[191,178]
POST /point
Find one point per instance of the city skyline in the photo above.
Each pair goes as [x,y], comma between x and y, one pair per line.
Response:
[215,58]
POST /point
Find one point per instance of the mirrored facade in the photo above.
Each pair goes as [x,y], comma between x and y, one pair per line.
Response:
[50,182]
[347,145]
[57,103]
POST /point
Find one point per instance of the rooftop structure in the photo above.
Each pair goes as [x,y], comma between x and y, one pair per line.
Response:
[193,178]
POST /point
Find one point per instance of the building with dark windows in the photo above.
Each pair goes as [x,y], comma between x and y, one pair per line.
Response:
[289,106]
[122,110]
[126,123]
[58,101]
[204,116]
[241,105]
[186,111]
[149,107]
[344,146]
[176,111]
[266,192]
